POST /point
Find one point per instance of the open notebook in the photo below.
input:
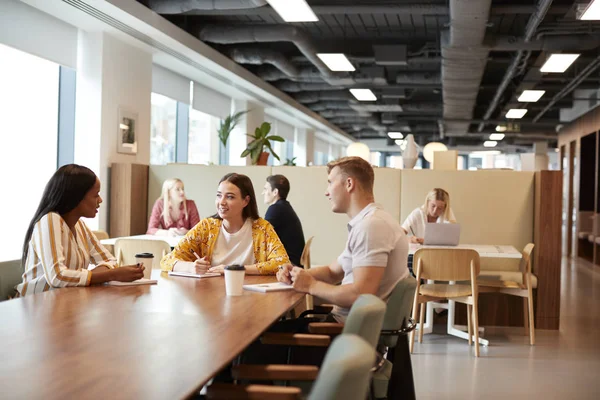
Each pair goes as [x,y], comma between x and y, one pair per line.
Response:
[269,287]
[142,281]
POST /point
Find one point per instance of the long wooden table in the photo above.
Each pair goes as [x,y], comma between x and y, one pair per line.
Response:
[163,341]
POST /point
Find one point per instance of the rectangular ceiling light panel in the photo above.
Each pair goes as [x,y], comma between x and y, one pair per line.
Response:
[336,61]
[559,63]
[531,96]
[363,94]
[293,10]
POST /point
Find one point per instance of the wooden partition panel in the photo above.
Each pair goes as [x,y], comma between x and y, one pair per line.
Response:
[492,207]
[128,199]
[547,252]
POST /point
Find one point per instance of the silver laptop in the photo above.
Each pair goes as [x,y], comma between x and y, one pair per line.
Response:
[442,234]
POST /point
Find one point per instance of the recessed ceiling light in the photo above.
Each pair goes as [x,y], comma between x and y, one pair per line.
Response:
[490,143]
[336,61]
[293,10]
[592,12]
[395,135]
[399,142]
[501,128]
[559,62]
[516,113]
[485,152]
[531,96]
[363,94]
[497,136]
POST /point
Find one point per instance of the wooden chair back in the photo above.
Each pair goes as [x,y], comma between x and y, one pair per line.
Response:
[446,264]
[101,235]
[525,265]
[305,257]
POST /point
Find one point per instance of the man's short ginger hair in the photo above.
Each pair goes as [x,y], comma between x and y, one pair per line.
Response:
[357,168]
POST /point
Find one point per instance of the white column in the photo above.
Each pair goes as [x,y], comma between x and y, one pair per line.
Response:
[305,144]
[103,87]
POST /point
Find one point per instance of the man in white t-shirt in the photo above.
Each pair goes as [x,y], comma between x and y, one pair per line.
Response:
[374,259]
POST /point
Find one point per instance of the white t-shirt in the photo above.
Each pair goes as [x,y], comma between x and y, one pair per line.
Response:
[417,220]
[375,239]
[234,248]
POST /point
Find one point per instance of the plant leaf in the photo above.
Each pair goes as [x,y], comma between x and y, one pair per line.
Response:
[268,145]
[265,128]
[275,138]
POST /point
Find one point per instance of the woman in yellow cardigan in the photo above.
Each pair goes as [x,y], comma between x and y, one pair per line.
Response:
[234,235]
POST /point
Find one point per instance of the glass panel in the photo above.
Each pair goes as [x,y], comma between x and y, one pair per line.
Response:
[163,129]
[28,144]
[203,131]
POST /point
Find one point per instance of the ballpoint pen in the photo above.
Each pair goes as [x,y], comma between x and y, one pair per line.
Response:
[411,231]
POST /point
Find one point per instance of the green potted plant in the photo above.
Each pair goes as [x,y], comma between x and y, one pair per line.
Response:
[261,141]
[227,125]
[290,162]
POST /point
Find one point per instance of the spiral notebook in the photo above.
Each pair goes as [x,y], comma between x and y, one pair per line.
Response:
[269,287]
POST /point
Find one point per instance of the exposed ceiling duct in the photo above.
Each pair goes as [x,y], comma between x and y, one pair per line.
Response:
[344,113]
[463,60]
[330,105]
[268,33]
[419,78]
[304,74]
[313,97]
[266,56]
[532,25]
[182,6]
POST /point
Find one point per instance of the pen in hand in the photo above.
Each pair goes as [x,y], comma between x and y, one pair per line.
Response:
[411,231]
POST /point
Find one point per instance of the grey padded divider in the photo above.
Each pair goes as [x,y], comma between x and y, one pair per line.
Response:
[10,276]
[345,372]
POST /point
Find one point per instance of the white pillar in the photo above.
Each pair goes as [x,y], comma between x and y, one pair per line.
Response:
[103,87]
[305,143]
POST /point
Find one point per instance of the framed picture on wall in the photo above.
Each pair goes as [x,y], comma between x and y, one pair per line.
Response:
[127,132]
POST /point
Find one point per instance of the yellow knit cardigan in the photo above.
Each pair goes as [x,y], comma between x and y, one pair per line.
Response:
[268,249]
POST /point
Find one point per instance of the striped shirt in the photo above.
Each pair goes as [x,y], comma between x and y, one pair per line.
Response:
[56,258]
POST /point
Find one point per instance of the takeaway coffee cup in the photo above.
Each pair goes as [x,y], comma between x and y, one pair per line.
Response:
[234,279]
[146,259]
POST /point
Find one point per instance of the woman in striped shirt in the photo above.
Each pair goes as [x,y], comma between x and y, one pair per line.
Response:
[59,247]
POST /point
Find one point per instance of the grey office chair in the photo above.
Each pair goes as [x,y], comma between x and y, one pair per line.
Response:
[393,379]
[345,374]
[365,320]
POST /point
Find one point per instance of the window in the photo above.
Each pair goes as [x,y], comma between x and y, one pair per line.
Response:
[202,137]
[163,129]
[29,107]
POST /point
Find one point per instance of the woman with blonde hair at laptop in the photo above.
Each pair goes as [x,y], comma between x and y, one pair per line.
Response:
[435,210]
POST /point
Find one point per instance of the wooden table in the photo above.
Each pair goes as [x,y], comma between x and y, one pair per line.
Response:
[162,341]
[484,250]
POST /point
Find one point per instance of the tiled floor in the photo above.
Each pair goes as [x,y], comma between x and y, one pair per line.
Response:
[563,364]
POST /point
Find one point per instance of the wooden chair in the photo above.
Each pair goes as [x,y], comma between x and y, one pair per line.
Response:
[515,284]
[451,265]
[344,375]
[305,262]
[101,235]
[126,249]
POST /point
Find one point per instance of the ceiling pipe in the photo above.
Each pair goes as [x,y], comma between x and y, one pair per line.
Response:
[374,8]
[577,42]
[534,21]
[329,105]
[587,71]
[182,6]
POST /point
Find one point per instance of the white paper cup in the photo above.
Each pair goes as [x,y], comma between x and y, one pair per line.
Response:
[147,260]
[234,280]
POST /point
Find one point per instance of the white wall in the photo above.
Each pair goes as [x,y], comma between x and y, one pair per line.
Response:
[111,74]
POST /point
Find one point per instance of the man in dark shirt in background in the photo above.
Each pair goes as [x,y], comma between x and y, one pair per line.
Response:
[283,217]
